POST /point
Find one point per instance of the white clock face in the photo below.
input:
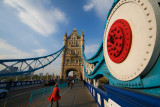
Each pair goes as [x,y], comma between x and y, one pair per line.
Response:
[143,18]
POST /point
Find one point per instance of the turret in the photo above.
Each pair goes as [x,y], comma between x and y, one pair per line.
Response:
[65,38]
[82,35]
[82,38]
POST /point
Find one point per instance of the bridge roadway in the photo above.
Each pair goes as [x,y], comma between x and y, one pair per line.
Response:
[78,96]
[19,97]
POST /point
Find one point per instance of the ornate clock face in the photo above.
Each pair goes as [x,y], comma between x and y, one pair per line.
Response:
[131,38]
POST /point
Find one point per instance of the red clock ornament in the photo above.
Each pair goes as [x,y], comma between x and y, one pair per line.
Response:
[119,40]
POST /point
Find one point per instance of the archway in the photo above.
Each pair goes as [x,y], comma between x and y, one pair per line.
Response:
[75,74]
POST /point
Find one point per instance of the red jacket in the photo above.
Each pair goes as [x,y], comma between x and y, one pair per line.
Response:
[55,95]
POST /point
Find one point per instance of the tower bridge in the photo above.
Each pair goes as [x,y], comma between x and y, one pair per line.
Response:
[72,59]
[128,57]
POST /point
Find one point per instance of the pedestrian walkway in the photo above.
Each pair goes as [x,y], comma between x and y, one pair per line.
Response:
[78,96]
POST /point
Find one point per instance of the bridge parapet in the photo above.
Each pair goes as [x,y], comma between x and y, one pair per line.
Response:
[20,83]
[118,97]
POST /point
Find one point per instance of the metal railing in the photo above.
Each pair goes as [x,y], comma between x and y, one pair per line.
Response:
[20,83]
[121,97]
[40,96]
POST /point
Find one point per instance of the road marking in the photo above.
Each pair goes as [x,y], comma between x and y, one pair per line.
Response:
[65,91]
[74,99]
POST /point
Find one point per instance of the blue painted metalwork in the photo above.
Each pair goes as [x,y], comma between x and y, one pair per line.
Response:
[114,3]
[102,70]
[20,83]
[95,67]
[43,94]
[122,97]
[10,67]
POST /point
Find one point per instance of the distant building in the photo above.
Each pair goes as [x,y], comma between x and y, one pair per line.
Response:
[28,74]
[40,74]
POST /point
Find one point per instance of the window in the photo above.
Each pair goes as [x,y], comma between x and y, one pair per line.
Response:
[67,61]
[72,51]
[72,61]
[77,61]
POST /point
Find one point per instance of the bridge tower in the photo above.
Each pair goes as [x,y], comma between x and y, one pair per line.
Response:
[72,58]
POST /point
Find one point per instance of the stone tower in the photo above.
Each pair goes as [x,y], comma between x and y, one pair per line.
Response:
[72,58]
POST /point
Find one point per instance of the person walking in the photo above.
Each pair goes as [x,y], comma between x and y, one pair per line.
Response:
[71,83]
[8,86]
[68,83]
[55,95]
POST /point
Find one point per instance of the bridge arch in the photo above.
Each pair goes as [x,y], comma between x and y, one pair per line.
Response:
[76,73]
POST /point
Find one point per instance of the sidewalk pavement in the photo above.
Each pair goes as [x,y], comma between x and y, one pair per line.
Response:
[78,96]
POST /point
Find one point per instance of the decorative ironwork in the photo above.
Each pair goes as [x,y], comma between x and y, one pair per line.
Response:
[10,67]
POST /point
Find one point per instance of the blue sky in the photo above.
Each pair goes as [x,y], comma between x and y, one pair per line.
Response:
[32,28]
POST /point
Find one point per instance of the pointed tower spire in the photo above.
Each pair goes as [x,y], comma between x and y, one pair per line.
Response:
[82,35]
[65,35]
[82,38]
[82,32]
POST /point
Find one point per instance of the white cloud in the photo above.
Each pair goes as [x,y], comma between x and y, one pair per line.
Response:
[36,43]
[101,7]
[10,52]
[41,18]
[91,48]
[88,7]
[40,52]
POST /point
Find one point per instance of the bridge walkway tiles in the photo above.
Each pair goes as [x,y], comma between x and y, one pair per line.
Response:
[78,96]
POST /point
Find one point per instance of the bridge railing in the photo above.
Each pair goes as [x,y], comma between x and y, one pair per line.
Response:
[20,83]
[121,97]
[40,96]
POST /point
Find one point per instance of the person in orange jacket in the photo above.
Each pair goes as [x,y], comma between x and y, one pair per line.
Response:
[55,95]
